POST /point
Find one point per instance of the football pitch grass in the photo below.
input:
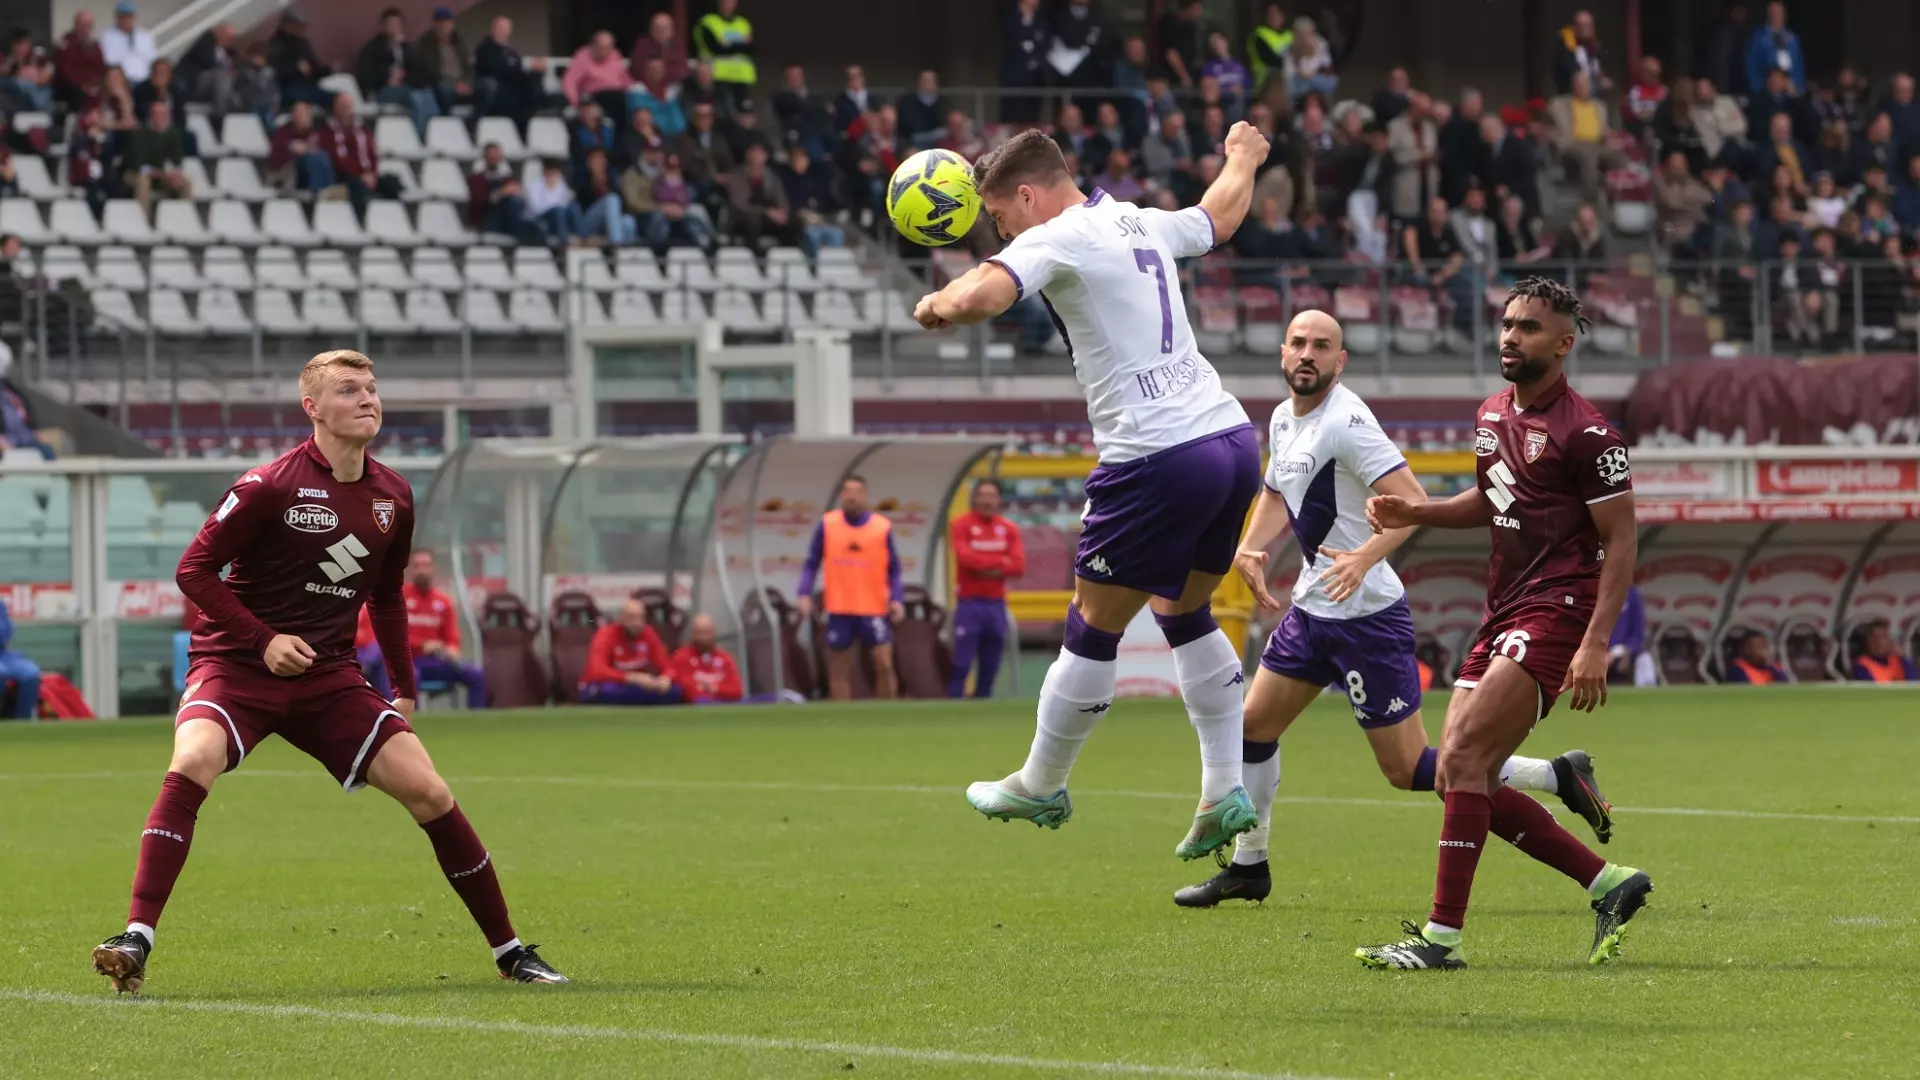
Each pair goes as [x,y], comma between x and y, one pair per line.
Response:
[803,892]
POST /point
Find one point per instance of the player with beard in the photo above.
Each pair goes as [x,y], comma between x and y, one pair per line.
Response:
[1555,488]
[310,538]
[1349,624]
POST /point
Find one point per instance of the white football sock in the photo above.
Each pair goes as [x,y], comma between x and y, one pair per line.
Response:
[1213,687]
[143,930]
[502,950]
[1262,779]
[1529,774]
[1076,693]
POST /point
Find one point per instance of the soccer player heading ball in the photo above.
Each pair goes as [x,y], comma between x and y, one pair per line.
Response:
[1179,461]
[1556,490]
[310,537]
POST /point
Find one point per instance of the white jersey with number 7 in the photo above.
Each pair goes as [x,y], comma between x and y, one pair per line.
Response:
[1105,270]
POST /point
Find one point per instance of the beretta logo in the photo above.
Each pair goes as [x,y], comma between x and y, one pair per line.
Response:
[309,518]
[1485,442]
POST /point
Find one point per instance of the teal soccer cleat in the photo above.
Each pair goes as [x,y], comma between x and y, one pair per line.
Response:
[1216,824]
[996,799]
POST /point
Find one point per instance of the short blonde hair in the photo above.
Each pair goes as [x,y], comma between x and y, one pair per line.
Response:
[313,376]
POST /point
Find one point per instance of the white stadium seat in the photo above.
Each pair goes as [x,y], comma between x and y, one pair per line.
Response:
[637,268]
[482,311]
[487,269]
[631,307]
[242,134]
[499,129]
[227,266]
[680,307]
[233,222]
[115,306]
[174,265]
[201,128]
[221,313]
[588,310]
[22,218]
[196,173]
[72,220]
[735,310]
[834,310]
[434,268]
[64,262]
[787,268]
[440,223]
[119,267]
[430,313]
[784,311]
[381,268]
[402,173]
[447,137]
[547,138]
[279,267]
[328,267]
[178,220]
[839,270]
[688,267]
[886,308]
[396,137]
[275,311]
[167,310]
[591,271]
[123,222]
[380,311]
[348,86]
[533,310]
[534,266]
[326,309]
[388,223]
[30,172]
[335,224]
[736,268]
[285,221]
[238,178]
[443,179]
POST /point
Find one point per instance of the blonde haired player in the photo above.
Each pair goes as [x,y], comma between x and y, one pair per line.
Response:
[310,537]
[1179,461]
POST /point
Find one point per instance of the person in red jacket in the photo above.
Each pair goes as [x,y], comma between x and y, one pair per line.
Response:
[703,670]
[628,665]
[988,551]
[433,626]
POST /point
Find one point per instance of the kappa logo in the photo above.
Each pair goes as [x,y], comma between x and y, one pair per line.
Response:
[312,493]
[1536,445]
[1098,565]
[1395,706]
[1238,679]
[1356,420]
[1100,708]
[309,518]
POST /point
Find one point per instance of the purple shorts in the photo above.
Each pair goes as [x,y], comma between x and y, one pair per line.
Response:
[1370,657]
[1152,521]
[844,630]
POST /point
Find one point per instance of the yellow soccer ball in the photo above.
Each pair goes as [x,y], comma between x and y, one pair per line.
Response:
[931,198]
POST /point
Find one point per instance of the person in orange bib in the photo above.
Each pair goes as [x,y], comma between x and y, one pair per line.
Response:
[853,558]
[1880,660]
[1754,663]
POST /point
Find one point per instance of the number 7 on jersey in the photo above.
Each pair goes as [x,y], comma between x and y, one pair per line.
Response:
[1148,260]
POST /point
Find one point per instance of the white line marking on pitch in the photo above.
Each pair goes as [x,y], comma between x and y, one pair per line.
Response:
[574,1031]
[1412,802]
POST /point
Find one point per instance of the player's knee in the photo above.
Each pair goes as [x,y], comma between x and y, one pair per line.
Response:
[1460,763]
[199,752]
[427,798]
[1398,773]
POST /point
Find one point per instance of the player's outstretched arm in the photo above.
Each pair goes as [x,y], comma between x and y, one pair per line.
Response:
[232,530]
[1263,528]
[979,294]
[1620,548]
[1227,200]
[1467,510]
[1349,570]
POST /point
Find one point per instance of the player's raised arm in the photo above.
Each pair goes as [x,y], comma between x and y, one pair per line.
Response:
[975,296]
[1227,200]
[1349,570]
[234,527]
[1467,510]
[387,610]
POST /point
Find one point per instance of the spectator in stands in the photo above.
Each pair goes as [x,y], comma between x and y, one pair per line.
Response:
[723,39]
[597,72]
[1580,131]
[254,88]
[127,46]
[1393,98]
[549,199]
[627,664]
[1849,101]
[79,65]
[1229,74]
[641,135]
[854,100]
[1904,111]
[761,215]
[1874,150]
[1433,253]
[1879,659]
[802,115]
[1209,97]
[1827,202]
[659,96]
[1414,140]
[1478,239]
[26,73]
[1799,306]
[705,673]
[1628,661]
[1735,252]
[872,153]
[1719,124]
[811,193]
[1779,97]
[1782,151]
[389,72]
[1180,38]
[1643,98]
[1906,197]
[743,130]
[356,162]
[1723,50]
[1680,202]
[1579,51]
[662,44]
[678,221]
[1079,52]
[1583,240]
[497,203]
[1517,235]
[1211,137]
[295,65]
[9,175]
[87,163]
[593,131]
[296,156]
[445,64]
[1267,47]
[1118,180]
[1025,33]
[1513,167]
[1269,238]
[1070,130]
[159,87]
[506,84]
[698,88]
[1136,90]
[596,214]
[150,160]
[922,116]
[1309,64]
[1465,157]
[206,71]
[961,138]
[1169,150]
[15,668]
[1876,219]
[1774,47]
[1107,137]
[116,103]
[1783,223]
[1753,663]
[704,151]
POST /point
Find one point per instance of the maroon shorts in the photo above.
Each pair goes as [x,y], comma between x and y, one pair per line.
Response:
[1539,634]
[332,716]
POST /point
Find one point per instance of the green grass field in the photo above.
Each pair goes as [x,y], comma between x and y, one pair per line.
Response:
[804,893]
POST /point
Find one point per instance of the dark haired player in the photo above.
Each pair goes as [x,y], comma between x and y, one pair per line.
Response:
[1555,488]
[1179,461]
[310,537]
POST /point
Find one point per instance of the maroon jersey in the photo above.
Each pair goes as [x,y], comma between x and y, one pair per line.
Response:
[306,551]
[1541,467]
